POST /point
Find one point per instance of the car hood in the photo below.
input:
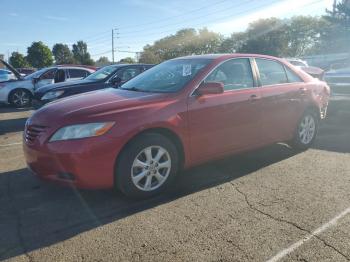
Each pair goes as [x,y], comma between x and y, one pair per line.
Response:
[85,107]
[63,85]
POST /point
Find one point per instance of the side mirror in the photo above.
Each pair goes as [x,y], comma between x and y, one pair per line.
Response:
[116,81]
[210,88]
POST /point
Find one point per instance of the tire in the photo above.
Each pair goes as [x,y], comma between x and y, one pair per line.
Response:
[306,131]
[139,174]
[20,98]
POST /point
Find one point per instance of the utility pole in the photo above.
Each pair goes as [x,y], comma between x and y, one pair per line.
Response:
[113,50]
[113,46]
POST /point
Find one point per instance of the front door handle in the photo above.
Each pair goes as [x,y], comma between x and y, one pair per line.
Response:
[303,90]
[254,98]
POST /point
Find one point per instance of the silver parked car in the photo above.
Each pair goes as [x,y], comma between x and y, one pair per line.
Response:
[18,90]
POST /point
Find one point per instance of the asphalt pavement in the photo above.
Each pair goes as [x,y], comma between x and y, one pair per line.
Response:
[273,204]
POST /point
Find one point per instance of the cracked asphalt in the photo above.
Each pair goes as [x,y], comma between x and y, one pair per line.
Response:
[246,207]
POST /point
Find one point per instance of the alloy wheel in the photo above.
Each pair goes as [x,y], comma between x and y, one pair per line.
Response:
[307,129]
[151,168]
[20,98]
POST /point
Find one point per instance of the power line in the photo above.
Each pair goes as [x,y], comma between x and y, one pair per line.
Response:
[157,21]
[176,16]
[195,18]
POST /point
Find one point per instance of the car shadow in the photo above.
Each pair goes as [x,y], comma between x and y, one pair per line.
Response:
[12,125]
[334,134]
[35,214]
[10,109]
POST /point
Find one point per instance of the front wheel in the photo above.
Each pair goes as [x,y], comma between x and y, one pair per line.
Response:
[20,98]
[306,131]
[146,166]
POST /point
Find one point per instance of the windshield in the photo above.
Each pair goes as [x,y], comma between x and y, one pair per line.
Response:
[103,73]
[36,74]
[167,77]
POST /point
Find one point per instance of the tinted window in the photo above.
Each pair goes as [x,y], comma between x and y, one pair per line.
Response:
[102,73]
[129,73]
[292,77]
[234,74]
[77,73]
[49,74]
[271,72]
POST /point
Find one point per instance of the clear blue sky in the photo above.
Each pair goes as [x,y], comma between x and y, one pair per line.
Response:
[139,22]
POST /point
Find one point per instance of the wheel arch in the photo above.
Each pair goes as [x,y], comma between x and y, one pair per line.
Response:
[315,109]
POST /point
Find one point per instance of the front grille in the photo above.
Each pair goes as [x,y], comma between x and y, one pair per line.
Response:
[31,132]
[338,80]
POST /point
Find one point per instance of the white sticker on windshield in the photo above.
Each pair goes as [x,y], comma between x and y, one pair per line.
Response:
[186,70]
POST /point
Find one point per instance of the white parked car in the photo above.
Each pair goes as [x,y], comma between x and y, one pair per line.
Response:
[18,90]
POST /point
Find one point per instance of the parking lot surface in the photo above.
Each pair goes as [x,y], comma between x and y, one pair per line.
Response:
[273,204]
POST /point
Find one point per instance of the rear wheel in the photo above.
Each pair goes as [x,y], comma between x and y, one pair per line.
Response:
[147,166]
[20,98]
[306,131]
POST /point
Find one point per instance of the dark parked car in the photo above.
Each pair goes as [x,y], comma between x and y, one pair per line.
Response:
[339,82]
[108,76]
[178,114]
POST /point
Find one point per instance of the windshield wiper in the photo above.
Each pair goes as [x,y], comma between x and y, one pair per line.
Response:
[133,89]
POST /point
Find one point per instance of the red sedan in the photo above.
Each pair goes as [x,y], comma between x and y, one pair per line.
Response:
[178,114]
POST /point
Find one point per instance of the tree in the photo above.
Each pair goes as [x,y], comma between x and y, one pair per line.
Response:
[102,61]
[185,42]
[62,54]
[336,36]
[18,60]
[81,55]
[39,55]
[127,60]
[266,36]
[233,43]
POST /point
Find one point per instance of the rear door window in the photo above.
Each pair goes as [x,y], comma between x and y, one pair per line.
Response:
[77,73]
[271,72]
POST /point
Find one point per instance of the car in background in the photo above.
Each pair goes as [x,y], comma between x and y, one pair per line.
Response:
[303,65]
[297,62]
[108,76]
[18,91]
[26,71]
[6,75]
[339,82]
[178,114]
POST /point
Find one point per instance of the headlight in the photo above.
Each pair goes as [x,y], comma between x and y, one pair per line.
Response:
[81,131]
[52,94]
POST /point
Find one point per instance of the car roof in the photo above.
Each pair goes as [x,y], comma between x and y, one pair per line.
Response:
[226,56]
[72,67]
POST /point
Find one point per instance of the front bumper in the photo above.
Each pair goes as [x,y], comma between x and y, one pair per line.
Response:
[82,163]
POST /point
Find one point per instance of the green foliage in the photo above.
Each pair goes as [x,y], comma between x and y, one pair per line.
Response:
[336,37]
[81,55]
[39,55]
[127,60]
[62,54]
[184,42]
[18,60]
[265,36]
[102,61]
